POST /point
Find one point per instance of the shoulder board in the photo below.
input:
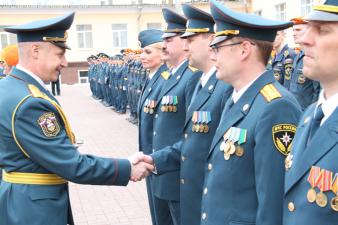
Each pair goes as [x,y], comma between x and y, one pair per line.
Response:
[270,92]
[193,69]
[165,75]
[36,93]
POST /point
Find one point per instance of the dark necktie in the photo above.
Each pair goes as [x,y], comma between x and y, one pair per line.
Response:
[197,89]
[315,123]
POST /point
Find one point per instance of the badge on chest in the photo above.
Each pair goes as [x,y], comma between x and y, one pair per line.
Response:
[169,103]
[200,121]
[233,139]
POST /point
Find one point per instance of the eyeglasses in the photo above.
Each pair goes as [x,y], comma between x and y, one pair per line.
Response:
[216,48]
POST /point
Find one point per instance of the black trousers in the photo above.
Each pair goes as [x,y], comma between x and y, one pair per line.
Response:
[56,85]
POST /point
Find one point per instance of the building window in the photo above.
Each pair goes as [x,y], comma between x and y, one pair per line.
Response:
[280,11]
[6,38]
[258,13]
[120,38]
[83,76]
[84,36]
[154,26]
[305,6]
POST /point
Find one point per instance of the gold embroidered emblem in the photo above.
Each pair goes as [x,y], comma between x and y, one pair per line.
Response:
[49,124]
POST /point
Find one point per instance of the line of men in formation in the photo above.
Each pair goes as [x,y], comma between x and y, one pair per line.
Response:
[117,80]
[218,145]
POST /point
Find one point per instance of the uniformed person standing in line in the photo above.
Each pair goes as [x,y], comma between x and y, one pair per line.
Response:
[281,58]
[170,114]
[304,89]
[202,118]
[2,75]
[244,175]
[151,44]
[37,151]
[311,179]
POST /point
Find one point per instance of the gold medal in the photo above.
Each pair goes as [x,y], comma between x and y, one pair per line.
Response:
[193,128]
[226,156]
[311,195]
[174,109]
[151,111]
[201,129]
[146,109]
[163,108]
[226,146]
[197,127]
[206,128]
[239,151]
[321,199]
[334,203]
[232,149]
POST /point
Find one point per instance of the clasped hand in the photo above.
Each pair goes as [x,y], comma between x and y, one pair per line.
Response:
[141,166]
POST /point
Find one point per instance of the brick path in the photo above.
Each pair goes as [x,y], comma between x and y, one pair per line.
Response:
[107,134]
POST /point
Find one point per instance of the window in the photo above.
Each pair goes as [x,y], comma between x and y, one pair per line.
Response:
[305,7]
[120,35]
[83,76]
[6,38]
[280,11]
[84,36]
[258,13]
[154,26]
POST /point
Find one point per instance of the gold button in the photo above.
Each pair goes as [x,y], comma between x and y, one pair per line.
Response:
[182,181]
[209,166]
[205,191]
[185,135]
[204,216]
[183,158]
[291,207]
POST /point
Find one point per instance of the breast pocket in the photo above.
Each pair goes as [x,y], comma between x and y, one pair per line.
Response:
[38,192]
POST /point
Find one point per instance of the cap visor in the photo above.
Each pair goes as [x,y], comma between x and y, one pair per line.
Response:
[168,35]
[188,34]
[61,45]
[317,15]
[218,39]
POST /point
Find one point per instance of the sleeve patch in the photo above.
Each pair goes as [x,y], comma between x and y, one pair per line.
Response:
[282,135]
[49,124]
[270,92]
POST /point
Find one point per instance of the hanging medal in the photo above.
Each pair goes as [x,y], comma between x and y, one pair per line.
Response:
[194,121]
[314,173]
[241,140]
[324,185]
[175,102]
[145,108]
[151,106]
[334,189]
[208,120]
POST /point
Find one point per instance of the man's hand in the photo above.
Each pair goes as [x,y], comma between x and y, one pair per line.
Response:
[141,166]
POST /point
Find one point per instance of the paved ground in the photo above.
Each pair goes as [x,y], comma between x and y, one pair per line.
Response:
[107,134]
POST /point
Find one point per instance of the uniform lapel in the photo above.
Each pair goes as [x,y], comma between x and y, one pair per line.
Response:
[322,142]
[241,108]
[174,79]
[203,95]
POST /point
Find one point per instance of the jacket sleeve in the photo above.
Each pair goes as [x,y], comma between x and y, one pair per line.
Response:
[40,133]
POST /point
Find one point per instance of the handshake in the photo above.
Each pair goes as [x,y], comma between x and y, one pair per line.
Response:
[141,166]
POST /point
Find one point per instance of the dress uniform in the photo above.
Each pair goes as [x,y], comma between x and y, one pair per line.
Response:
[244,173]
[147,103]
[311,184]
[170,114]
[37,153]
[203,115]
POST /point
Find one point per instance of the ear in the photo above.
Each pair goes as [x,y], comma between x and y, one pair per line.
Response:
[35,50]
[246,50]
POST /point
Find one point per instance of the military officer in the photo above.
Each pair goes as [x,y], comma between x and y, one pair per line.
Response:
[170,114]
[202,117]
[244,174]
[2,75]
[311,184]
[151,44]
[281,58]
[37,154]
[304,89]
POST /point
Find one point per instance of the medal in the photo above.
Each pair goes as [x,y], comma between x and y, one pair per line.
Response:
[201,128]
[288,161]
[226,155]
[174,109]
[321,199]
[312,179]
[334,189]
[324,184]
[232,148]
[239,151]
[206,129]
[175,102]
[194,121]
[334,203]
